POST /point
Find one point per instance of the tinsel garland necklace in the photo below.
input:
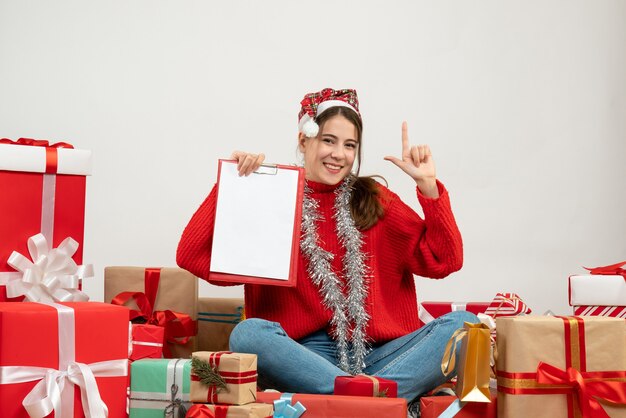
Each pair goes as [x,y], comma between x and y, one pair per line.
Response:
[348,311]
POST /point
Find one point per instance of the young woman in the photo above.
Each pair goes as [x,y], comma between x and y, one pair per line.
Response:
[354,309]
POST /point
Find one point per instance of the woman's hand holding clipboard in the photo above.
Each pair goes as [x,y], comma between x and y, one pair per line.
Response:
[257,222]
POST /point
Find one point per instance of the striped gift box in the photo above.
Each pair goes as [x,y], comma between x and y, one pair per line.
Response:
[507,304]
[612,311]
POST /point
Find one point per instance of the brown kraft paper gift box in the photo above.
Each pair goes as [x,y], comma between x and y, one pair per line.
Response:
[177,292]
[580,346]
[216,319]
[237,375]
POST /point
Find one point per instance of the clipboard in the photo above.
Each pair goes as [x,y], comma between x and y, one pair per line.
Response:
[256,237]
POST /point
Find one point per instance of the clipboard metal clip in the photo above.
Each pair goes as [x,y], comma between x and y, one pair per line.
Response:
[270,169]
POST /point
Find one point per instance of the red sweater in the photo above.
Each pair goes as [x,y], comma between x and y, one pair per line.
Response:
[397,246]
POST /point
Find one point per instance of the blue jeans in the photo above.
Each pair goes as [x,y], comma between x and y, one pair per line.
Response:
[310,365]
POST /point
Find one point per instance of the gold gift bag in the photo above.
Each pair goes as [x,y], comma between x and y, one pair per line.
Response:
[474,357]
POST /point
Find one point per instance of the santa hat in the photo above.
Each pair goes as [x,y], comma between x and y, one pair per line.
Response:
[314,104]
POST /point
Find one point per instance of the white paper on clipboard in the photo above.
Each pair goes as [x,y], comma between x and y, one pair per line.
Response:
[254,222]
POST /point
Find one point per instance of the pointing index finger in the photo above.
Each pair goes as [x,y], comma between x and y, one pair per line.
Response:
[405,139]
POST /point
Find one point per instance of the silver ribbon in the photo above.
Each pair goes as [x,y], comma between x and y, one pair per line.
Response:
[52,392]
[50,275]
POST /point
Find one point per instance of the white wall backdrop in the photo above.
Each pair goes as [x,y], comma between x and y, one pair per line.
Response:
[522,102]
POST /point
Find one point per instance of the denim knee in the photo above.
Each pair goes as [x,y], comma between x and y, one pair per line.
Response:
[246,335]
[459,317]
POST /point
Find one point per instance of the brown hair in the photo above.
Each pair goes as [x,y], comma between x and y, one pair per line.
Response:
[365,205]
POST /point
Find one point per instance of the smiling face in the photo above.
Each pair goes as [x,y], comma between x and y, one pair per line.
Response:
[329,157]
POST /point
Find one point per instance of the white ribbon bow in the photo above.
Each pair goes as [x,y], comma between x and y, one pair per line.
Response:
[51,276]
[45,397]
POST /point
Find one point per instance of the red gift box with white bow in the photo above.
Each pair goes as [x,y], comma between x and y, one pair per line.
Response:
[42,191]
[63,360]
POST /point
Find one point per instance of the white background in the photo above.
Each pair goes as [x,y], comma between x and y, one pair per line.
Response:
[522,102]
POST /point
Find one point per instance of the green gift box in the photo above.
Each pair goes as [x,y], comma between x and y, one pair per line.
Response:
[159,387]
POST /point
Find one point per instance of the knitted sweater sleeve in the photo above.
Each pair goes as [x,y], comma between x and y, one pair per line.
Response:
[194,249]
[430,247]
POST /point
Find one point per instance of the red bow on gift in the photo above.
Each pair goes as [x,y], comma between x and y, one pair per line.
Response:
[587,390]
[612,269]
[179,327]
[36,143]
[203,411]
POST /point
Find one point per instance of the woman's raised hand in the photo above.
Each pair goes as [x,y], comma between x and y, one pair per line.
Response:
[247,163]
[417,162]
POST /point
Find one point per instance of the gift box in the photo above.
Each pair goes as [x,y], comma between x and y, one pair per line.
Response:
[363,385]
[251,410]
[146,341]
[507,304]
[597,290]
[166,297]
[216,319]
[561,366]
[223,377]
[159,387]
[43,191]
[54,357]
[613,311]
[450,406]
[337,406]
[427,311]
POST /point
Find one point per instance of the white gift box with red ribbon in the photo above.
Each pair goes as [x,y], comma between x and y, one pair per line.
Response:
[36,159]
[603,286]
[597,290]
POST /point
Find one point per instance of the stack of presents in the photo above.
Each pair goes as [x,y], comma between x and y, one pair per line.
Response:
[156,349]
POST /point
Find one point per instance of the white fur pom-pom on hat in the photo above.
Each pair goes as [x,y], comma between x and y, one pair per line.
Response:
[314,104]
[310,129]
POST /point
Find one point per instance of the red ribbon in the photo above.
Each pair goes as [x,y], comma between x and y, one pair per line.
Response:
[587,390]
[51,150]
[203,411]
[214,362]
[179,327]
[36,143]
[612,269]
